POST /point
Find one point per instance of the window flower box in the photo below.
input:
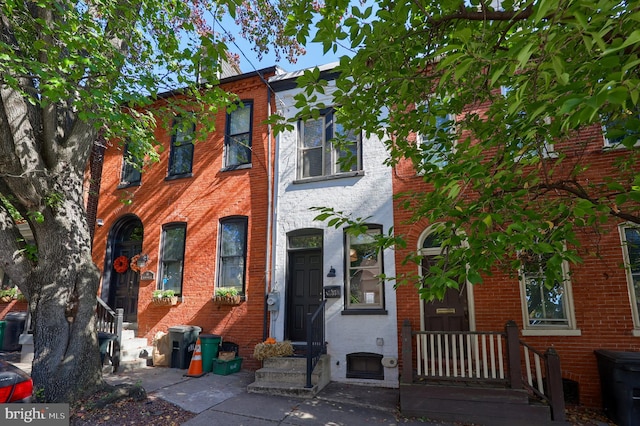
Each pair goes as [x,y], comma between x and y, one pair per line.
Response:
[164,298]
[227,296]
[227,300]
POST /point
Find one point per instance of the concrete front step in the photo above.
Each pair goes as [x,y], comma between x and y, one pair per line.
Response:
[287,376]
[294,377]
[282,389]
[125,366]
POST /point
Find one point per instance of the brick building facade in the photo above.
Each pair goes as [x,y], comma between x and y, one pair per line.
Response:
[203,224]
[599,292]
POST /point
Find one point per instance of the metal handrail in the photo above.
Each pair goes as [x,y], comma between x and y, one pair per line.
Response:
[315,340]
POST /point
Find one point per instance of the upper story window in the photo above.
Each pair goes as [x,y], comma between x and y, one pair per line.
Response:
[631,251]
[326,148]
[237,144]
[232,254]
[181,155]
[546,306]
[433,149]
[364,286]
[516,141]
[627,127]
[172,256]
[130,173]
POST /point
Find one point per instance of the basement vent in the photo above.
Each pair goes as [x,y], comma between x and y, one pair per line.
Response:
[365,365]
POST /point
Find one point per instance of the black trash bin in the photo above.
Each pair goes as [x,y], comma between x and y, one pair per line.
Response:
[14,327]
[620,385]
[183,341]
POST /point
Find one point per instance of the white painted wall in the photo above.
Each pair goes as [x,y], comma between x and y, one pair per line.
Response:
[362,196]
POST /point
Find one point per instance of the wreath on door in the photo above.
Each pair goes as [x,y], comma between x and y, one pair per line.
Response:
[121,264]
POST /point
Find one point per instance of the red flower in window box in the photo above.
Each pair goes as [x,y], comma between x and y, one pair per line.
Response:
[121,264]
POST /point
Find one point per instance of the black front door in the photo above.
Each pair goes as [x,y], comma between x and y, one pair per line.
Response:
[304,291]
[123,289]
[127,284]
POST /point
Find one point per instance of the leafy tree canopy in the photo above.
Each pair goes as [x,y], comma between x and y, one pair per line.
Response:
[73,74]
[518,77]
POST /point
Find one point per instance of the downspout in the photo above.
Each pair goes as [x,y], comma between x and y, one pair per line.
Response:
[270,188]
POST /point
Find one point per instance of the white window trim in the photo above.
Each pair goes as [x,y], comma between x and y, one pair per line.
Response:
[613,146]
[550,330]
[633,302]
[328,149]
[420,140]
[549,148]
[372,229]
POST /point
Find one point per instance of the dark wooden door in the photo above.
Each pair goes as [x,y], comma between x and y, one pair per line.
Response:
[127,284]
[449,314]
[304,291]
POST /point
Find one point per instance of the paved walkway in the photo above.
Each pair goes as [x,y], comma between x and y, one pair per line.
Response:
[224,400]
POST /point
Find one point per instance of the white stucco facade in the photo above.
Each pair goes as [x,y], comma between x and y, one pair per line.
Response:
[367,193]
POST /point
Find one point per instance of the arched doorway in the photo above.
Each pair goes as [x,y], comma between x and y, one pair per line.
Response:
[125,240]
[452,313]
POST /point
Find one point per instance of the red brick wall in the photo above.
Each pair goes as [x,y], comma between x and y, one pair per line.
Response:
[200,201]
[600,290]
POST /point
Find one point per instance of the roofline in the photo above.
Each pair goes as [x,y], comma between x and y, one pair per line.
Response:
[261,72]
[288,80]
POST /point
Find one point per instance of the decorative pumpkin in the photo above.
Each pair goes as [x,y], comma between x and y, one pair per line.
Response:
[121,264]
[270,341]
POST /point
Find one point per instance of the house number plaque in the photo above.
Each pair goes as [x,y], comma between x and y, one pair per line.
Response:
[331,291]
[147,275]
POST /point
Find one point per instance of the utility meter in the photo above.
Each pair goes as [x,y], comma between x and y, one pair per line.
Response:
[273,301]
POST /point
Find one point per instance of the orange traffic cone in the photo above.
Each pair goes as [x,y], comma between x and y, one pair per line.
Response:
[195,367]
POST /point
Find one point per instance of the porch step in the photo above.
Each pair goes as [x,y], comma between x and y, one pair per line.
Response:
[134,353]
[480,405]
[286,376]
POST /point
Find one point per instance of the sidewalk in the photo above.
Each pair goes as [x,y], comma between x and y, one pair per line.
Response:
[224,400]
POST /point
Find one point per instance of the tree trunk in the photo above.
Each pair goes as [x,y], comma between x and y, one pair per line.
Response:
[62,300]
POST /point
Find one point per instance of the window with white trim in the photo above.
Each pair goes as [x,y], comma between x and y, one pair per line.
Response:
[232,254]
[545,305]
[626,128]
[364,286]
[172,257]
[327,148]
[631,251]
[432,149]
[516,141]
[237,142]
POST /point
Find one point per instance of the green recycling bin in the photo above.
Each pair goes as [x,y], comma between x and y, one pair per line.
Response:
[2,325]
[209,344]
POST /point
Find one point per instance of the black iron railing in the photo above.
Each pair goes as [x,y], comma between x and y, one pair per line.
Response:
[315,340]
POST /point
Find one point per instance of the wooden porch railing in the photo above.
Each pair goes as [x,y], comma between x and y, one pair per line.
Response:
[475,356]
[110,322]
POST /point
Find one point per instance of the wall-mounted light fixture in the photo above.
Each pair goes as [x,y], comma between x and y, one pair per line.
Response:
[142,260]
[332,272]
[99,222]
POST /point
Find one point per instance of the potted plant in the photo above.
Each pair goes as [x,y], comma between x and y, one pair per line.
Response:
[227,296]
[7,295]
[164,298]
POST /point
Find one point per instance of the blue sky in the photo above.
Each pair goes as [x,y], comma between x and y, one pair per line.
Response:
[249,58]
